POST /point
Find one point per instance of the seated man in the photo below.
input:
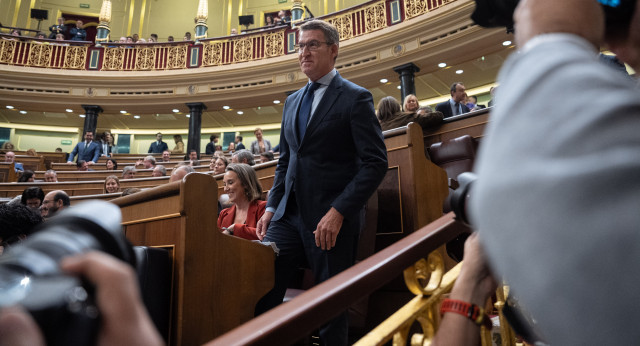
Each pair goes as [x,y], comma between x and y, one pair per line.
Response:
[266,157]
[83,166]
[18,222]
[148,162]
[129,172]
[180,171]
[166,156]
[243,156]
[159,171]
[193,157]
[51,176]
[54,202]
[10,157]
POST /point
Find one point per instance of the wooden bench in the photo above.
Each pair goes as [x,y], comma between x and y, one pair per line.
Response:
[7,172]
[217,279]
[101,175]
[34,163]
[79,188]
[472,124]
[102,166]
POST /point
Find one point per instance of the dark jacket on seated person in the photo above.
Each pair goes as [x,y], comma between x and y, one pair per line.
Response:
[401,119]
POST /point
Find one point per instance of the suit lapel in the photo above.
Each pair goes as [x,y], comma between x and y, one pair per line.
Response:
[328,99]
[296,101]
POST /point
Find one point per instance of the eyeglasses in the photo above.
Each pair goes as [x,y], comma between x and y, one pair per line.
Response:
[312,46]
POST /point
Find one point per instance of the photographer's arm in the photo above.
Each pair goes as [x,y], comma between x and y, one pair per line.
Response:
[124,318]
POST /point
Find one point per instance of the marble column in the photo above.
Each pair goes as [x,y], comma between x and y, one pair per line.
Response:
[195,126]
[407,73]
[91,113]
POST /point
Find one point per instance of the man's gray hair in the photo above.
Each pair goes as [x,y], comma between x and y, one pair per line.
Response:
[151,158]
[162,169]
[51,171]
[243,155]
[128,169]
[330,32]
[184,167]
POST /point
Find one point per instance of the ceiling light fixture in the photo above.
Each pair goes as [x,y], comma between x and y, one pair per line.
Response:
[384,80]
[240,112]
[399,87]
[276,101]
[506,43]
[459,72]
[175,110]
[442,64]
[136,117]
[225,107]
[123,112]
[81,115]
[69,110]
[188,115]
[23,112]
[9,107]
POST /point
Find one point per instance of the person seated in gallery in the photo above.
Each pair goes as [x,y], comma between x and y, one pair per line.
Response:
[391,116]
[112,165]
[179,148]
[28,176]
[10,157]
[244,190]
[111,184]
[218,164]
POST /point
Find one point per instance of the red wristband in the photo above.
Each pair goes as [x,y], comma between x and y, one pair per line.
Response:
[471,311]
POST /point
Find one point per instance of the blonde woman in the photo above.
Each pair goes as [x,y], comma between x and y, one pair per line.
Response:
[111,184]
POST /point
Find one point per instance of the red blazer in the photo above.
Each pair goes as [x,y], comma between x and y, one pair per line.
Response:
[246,230]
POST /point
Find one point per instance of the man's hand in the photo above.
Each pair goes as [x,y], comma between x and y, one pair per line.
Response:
[476,282]
[263,224]
[17,328]
[328,228]
[580,17]
[90,163]
[69,162]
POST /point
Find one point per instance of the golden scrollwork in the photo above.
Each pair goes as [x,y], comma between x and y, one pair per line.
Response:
[413,8]
[39,55]
[145,58]
[113,58]
[212,54]
[274,44]
[375,17]
[242,50]
[75,57]
[7,48]
[344,26]
[432,269]
[177,57]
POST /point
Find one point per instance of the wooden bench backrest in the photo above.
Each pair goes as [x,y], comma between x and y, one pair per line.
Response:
[472,124]
[34,163]
[217,279]
[7,172]
[101,175]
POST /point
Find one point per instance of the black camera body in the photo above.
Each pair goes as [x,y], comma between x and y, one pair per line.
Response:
[497,13]
[63,306]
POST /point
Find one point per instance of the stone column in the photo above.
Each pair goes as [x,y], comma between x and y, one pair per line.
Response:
[195,126]
[406,73]
[91,113]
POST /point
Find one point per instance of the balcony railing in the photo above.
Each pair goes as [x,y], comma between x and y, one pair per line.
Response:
[257,45]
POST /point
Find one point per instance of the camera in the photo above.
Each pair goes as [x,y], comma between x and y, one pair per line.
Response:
[63,306]
[497,13]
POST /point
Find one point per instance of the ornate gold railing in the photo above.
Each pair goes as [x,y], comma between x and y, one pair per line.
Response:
[352,22]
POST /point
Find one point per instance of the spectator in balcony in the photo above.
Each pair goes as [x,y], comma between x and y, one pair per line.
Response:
[130,39]
[159,171]
[282,18]
[211,146]
[455,105]
[60,37]
[10,157]
[472,103]
[78,33]
[59,28]
[218,164]
[51,176]
[158,146]
[179,148]
[141,40]
[187,36]
[41,35]
[234,32]
[111,184]
[112,165]
[268,21]
[260,145]
[391,117]
[28,176]
[135,38]
[129,172]
[123,39]
[170,39]
[410,103]
[153,38]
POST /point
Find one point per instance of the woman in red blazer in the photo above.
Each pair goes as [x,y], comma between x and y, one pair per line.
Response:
[244,190]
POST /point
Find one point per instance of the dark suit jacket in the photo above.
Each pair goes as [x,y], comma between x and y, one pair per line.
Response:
[340,161]
[240,146]
[92,153]
[158,149]
[210,149]
[445,108]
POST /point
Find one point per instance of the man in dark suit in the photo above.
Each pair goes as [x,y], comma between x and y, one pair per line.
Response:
[211,146]
[88,150]
[332,158]
[455,105]
[158,146]
[239,145]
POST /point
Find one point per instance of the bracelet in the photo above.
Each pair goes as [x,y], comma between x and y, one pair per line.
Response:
[471,311]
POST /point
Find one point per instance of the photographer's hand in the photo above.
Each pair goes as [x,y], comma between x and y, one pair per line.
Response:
[124,318]
[17,328]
